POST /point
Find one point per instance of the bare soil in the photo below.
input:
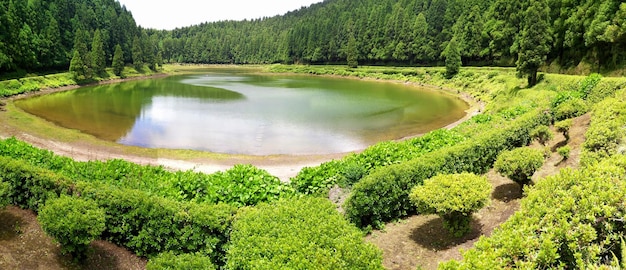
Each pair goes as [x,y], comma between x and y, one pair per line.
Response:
[421,241]
[24,245]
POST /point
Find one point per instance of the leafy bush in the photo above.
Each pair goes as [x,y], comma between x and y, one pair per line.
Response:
[303,233]
[28,186]
[573,220]
[564,127]
[241,185]
[571,108]
[588,84]
[519,164]
[172,261]
[606,131]
[150,225]
[318,180]
[73,222]
[453,197]
[564,151]
[384,194]
[542,134]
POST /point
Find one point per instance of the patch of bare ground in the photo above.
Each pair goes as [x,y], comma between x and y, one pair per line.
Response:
[24,245]
[421,241]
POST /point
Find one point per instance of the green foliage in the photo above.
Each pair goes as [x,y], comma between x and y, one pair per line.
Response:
[118,61]
[542,134]
[534,40]
[564,151]
[98,55]
[241,185]
[564,127]
[352,53]
[30,186]
[453,197]
[353,168]
[453,58]
[77,66]
[588,84]
[73,222]
[519,164]
[606,132]
[172,261]
[137,54]
[570,108]
[567,221]
[304,233]
[384,194]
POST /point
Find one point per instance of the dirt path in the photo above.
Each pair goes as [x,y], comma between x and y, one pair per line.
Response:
[24,245]
[421,240]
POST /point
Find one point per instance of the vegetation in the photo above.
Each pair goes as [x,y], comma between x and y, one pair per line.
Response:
[572,220]
[453,58]
[172,261]
[519,164]
[73,222]
[454,198]
[542,134]
[564,127]
[304,233]
[564,151]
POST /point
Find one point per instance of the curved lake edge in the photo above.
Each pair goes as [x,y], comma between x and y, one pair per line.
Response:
[84,147]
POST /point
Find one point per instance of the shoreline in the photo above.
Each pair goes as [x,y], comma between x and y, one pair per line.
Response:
[282,166]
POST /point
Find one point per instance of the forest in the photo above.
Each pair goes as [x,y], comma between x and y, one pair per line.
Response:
[584,35]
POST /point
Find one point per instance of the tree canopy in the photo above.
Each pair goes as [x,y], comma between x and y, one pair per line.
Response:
[40,35]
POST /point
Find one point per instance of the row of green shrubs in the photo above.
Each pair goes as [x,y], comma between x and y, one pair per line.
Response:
[146,224]
[607,130]
[350,169]
[384,195]
[189,235]
[573,220]
[239,186]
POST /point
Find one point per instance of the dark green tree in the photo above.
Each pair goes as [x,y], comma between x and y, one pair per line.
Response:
[534,40]
[98,56]
[352,53]
[118,60]
[137,54]
[77,66]
[453,58]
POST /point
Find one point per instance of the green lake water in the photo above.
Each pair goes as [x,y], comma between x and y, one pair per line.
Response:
[238,113]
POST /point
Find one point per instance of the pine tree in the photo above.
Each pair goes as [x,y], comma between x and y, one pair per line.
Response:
[77,66]
[98,56]
[137,54]
[118,60]
[453,58]
[534,40]
[352,53]
[81,53]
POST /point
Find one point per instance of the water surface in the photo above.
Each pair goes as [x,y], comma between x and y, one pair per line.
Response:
[249,114]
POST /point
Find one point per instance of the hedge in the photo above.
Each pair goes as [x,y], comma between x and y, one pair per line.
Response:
[172,261]
[144,223]
[606,131]
[240,185]
[573,220]
[301,233]
[383,195]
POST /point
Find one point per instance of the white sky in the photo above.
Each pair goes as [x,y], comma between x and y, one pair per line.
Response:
[170,14]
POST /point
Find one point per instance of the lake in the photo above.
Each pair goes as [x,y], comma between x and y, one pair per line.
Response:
[252,114]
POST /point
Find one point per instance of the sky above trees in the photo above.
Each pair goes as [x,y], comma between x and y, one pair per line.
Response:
[167,14]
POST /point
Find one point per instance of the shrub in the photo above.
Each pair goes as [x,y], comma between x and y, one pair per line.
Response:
[542,134]
[606,131]
[303,233]
[73,222]
[564,127]
[172,261]
[564,151]
[568,221]
[454,198]
[571,108]
[384,194]
[519,164]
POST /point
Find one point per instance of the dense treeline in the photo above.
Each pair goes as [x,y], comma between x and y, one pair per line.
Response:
[413,32]
[45,35]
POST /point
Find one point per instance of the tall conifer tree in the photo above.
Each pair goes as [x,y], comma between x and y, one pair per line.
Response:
[534,40]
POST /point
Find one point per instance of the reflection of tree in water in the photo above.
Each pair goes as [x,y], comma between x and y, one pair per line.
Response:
[109,111]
